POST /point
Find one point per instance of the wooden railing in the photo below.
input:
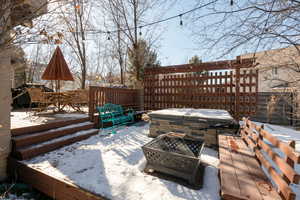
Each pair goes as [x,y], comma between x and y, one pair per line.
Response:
[263,144]
[98,96]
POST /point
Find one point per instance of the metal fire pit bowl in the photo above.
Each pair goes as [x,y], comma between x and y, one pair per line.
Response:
[175,154]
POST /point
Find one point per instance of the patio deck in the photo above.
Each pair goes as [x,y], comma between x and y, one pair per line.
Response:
[111,167]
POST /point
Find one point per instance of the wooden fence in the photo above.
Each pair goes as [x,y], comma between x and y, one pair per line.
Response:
[275,108]
[98,96]
[262,143]
[228,85]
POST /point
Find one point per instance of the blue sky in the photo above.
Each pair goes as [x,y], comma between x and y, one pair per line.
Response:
[177,44]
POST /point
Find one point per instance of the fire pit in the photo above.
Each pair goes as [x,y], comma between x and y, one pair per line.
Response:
[176,155]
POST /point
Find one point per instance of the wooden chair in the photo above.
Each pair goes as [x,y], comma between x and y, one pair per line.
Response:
[37,96]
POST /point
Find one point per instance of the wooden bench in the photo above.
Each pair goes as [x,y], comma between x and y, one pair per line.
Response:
[241,158]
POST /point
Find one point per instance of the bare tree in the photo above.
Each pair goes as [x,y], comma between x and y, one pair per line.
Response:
[128,19]
[239,27]
[253,25]
[76,20]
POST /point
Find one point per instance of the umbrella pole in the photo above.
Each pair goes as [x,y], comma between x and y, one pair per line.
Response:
[58,86]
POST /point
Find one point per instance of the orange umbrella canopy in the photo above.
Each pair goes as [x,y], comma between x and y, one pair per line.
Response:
[57,68]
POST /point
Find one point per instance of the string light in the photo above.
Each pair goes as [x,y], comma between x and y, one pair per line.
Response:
[181,23]
[159,21]
[231,2]
[140,33]
[108,37]
[148,24]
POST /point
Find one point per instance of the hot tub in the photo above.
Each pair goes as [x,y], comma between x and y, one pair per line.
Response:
[204,124]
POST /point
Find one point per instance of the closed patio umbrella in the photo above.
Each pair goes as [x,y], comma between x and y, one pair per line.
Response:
[57,70]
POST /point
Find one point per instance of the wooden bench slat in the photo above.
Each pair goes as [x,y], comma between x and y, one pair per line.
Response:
[288,194]
[261,180]
[284,189]
[252,182]
[286,149]
[289,172]
[248,186]
[230,187]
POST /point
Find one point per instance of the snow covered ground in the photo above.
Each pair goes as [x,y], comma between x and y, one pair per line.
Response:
[24,118]
[112,166]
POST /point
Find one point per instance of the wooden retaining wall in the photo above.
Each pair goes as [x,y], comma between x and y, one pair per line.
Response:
[55,188]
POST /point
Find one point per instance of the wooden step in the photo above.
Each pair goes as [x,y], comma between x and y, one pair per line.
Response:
[35,150]
[48,126]
[34,138]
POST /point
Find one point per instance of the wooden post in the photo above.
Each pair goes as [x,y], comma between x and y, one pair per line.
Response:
[91,102]
[141,98]
[237,89]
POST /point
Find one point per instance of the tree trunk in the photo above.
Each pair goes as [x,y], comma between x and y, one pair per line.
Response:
[135,45]
[5,101]
[83,79]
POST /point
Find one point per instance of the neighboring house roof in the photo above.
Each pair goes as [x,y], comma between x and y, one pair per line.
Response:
[276,57]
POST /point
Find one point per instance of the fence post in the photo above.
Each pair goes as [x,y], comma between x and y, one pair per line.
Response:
[141,99]
[91,103]
[237,88]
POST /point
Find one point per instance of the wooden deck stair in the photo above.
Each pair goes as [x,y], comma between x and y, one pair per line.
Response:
[33,141]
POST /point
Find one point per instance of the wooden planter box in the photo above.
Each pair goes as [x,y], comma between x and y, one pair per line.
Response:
[179,157]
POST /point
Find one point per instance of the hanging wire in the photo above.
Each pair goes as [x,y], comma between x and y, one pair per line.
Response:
[151,23]
[159,21]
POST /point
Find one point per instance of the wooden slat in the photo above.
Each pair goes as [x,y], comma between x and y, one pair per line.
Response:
[39,137]
[286,165]
[245,179]
[282,146]
[228,64]
[285,148]
[230,188]
[289,172]
[247,185]
[31,151]
[262,183]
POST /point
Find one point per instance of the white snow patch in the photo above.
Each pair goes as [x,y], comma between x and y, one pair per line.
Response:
[25,118]
[79,133]
[72,115]
[112,166]
[57,129]
[191,112]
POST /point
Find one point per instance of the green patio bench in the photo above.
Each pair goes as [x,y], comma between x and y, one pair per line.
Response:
[114,115]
